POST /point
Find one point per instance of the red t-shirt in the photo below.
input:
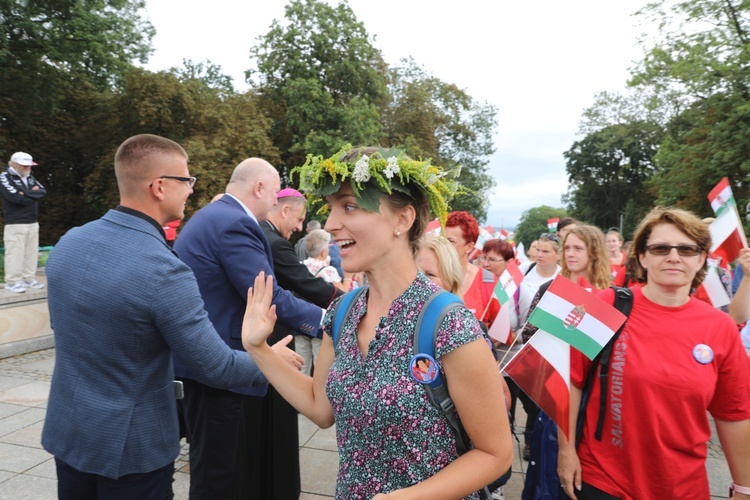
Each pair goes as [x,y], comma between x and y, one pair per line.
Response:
[479,294]
[655,430]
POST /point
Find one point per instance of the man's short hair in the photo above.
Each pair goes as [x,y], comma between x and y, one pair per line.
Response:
[313,225]
[129,158]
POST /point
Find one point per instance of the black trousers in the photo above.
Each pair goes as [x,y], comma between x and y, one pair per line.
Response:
[212,419]
[73,484]
[241,447]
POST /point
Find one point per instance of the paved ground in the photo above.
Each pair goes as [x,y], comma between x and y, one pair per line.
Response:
[28,472]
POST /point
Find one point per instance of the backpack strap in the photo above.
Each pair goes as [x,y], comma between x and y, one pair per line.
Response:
[624,304]
[342,310]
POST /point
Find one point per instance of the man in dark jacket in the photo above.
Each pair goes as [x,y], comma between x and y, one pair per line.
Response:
[275,473]
[21,192]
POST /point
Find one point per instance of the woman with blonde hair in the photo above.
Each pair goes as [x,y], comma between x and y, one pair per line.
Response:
[438,260]
[584,258]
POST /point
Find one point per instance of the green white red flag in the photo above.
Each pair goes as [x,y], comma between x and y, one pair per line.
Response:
[727,234]
[552,224]
[721,197]
[508,283]
[542,370]
[713,287]
[576,316]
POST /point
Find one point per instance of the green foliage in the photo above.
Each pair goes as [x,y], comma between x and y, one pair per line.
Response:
[321,79]
[606,172]
[432,119]
[533,222]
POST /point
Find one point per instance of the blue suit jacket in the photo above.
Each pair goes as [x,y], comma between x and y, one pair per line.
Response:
[226,249]
[120,302]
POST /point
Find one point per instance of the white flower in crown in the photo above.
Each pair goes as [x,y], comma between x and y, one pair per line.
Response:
[392,168]
[362,170]
[432,179]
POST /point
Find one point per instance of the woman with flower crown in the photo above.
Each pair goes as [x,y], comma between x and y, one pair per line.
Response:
[392,442]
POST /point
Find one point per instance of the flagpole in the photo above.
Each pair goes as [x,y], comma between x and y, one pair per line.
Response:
[513,343]
[486,308]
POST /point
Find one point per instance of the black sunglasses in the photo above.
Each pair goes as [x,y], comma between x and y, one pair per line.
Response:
[683,250]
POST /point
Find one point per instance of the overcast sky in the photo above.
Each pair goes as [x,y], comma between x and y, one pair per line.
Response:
[540,63]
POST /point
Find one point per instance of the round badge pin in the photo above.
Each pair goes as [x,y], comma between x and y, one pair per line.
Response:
[703,354]
[423,368]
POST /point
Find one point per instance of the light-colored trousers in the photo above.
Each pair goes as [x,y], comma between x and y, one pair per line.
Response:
[308,348]
[21,251]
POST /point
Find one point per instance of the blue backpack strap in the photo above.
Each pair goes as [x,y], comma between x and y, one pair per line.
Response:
[434,311]
[342,311]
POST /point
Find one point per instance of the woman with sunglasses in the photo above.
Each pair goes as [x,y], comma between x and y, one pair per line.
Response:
[675,359]
[393,443]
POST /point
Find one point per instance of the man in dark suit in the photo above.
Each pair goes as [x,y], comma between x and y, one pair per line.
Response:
[120,303]
[226,249]
[276,475]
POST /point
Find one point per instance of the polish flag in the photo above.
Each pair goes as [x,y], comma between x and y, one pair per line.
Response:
[576,316]
[727,235]
[433,227]
[552,224]
[521,254]
[542,370]
[503,235]
[500,328]
[712,287]
[484,235]
[490,229]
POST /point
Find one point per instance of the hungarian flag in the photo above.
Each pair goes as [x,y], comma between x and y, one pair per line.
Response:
[721,197]
[433,227]
[552,224]
[508,283]
[484,235]
[542,370]
[576,316]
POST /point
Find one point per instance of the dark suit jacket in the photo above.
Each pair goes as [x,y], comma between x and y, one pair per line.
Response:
[226,249]
[120,302]
[293,275]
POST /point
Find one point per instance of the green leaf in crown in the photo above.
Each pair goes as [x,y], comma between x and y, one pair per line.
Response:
[378,175]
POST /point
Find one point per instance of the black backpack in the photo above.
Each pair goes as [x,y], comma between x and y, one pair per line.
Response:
[624,304]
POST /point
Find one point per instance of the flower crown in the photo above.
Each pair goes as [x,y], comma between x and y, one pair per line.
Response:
[381,174]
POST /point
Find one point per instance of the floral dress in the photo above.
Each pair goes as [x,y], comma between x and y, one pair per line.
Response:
[388,433]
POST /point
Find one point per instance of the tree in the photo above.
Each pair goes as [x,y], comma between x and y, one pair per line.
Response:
[321,81]
[433,119]
[533,222]
[606,171]
[49,47]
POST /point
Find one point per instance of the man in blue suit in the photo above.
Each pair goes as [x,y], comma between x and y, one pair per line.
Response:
[225,247]
[120,302]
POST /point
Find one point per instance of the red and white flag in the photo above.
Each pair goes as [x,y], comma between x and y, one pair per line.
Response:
[500,328]
[503,234]
[712,286]
[542,370]
[433,227]
[521,254]
[576,316]
[552,224]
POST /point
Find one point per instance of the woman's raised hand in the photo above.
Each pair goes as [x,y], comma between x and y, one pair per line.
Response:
[260,315]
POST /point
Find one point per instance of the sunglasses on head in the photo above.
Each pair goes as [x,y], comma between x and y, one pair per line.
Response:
[549,236]
[683,250]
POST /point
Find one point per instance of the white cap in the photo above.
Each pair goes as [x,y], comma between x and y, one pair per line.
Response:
[22,159]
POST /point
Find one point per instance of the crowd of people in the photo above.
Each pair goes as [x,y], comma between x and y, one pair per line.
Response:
[159,349]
